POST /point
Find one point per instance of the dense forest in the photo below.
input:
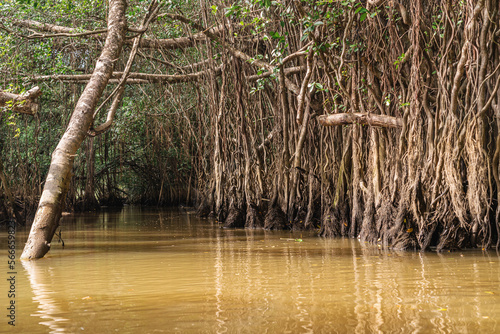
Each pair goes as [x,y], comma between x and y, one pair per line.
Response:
[375,119]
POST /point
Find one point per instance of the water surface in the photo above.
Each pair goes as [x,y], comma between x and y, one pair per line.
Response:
[156,271]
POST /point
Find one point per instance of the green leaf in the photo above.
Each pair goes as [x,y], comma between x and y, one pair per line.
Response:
[361,10]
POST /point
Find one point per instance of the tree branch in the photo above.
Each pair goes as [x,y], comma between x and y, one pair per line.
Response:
[169,43]
[288,71]
[23,103]
[303,87]
[361,118]
[133,78]
[235,52]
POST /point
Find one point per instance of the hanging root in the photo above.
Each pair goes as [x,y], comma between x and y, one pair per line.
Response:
[453,237]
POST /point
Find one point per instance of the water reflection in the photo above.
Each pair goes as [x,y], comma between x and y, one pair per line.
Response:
[219,278]
[42,286]
[154,271]
[378,292]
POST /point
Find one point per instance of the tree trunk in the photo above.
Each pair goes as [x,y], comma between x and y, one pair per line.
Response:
[56,186]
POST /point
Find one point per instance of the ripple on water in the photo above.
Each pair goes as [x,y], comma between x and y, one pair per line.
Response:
[163,271]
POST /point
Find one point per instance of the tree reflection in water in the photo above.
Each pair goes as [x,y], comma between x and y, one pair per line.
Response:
[49,311]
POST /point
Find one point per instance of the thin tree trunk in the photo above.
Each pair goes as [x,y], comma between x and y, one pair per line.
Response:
[89,199]
[11,205]
[56,185]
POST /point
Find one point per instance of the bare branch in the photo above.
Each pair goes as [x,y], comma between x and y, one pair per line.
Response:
[235,52]
[169,43]
[361,118]
[134,78]
[23,103]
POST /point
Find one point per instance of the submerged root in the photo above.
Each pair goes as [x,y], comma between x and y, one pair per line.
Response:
[369,230]
[335,222]
[453,237]
[275,219]
[405,241]
[330,227]
[235,218]
[204,208]
[298,224]
[426,235]
[402,236]
[386,216]
[254,217]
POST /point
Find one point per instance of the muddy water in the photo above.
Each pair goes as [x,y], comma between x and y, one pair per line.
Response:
[145,271]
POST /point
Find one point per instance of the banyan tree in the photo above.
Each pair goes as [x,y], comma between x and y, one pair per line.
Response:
[373,119]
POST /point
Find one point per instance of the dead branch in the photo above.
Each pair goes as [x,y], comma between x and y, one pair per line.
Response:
[361,118]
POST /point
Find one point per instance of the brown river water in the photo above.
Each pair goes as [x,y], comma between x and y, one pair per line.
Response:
[167,271]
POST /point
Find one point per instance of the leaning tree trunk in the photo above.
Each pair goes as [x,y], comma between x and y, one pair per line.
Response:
[56,185]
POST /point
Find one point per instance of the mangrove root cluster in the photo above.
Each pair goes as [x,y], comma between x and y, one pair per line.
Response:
[388,134]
